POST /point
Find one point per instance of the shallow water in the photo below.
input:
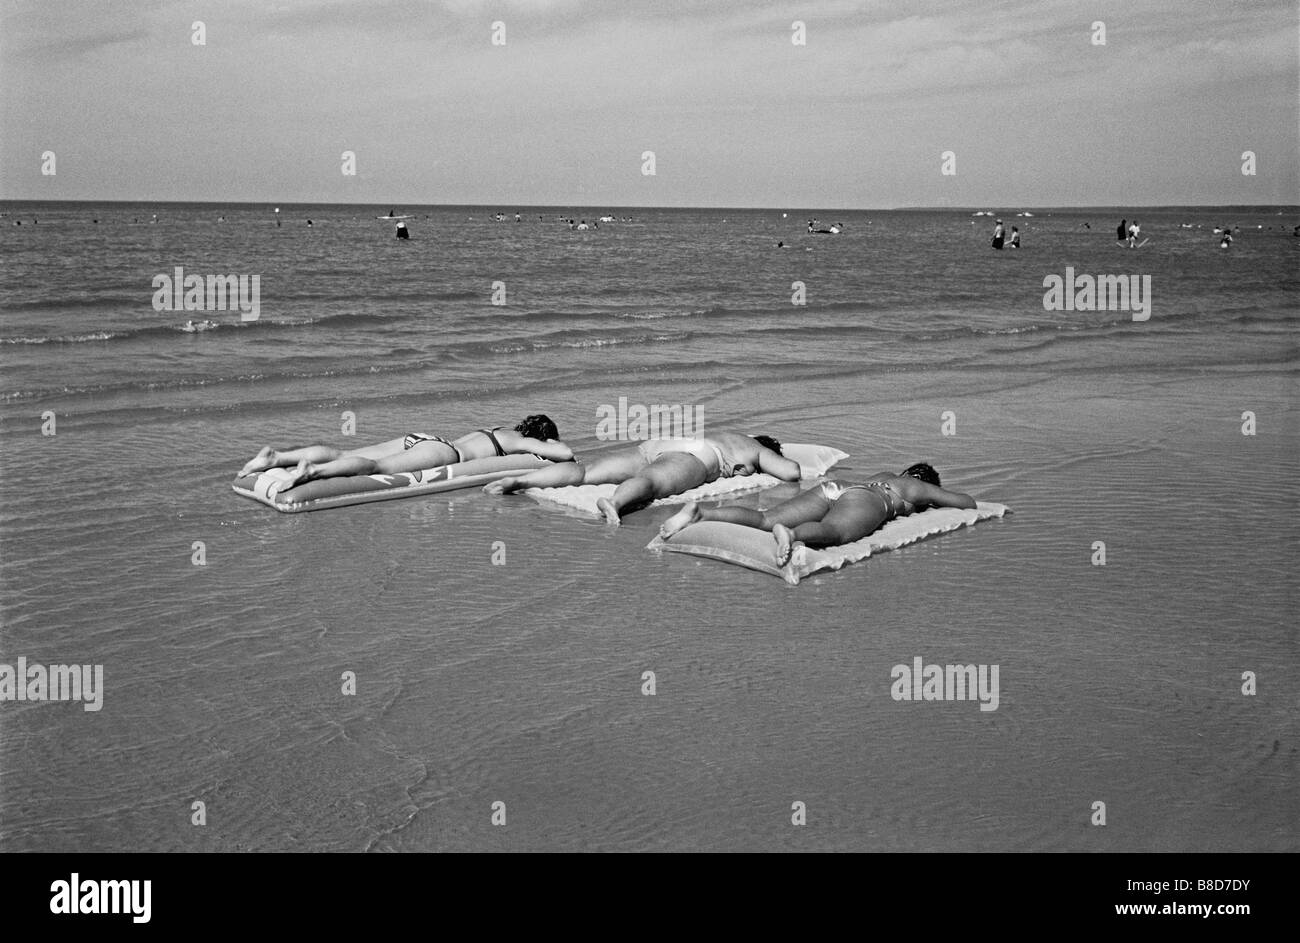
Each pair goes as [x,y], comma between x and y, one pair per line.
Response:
[522,682]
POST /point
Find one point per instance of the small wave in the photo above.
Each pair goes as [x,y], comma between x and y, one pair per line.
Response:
[62,338]
[654,315]
[98,301]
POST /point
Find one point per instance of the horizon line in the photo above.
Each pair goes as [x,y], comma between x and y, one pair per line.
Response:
[628,206]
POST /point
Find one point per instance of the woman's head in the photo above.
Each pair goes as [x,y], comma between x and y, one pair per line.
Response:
[924,472]
[768,443]
[538,427]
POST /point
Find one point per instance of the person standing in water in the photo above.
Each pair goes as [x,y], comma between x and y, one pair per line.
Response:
[999,235]
[1015,237]
[1121,231]
[1133,231]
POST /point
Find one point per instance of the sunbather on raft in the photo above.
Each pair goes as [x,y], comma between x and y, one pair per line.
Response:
[536,435]
[834,513]
[658,468]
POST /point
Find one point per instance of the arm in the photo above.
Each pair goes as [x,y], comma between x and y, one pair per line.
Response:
[555,451]
[938,497]
[778,465]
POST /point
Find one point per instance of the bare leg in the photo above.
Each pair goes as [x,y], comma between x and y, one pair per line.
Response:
[808,506]
[851,518]
[689,514]
[558,475]
[317,455]
[669,474]
[855,515]
[750,517]
[270,458]
[353,465]
[609,469]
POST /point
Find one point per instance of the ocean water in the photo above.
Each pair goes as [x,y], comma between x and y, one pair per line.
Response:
[522,683]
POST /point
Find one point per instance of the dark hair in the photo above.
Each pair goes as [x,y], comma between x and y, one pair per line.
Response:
[923,472]
[538,427]
[768,443]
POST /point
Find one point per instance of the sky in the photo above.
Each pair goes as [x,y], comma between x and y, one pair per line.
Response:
[736,114]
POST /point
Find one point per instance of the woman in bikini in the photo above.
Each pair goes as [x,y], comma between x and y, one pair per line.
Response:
[536,435]
[835,512]
[658,468]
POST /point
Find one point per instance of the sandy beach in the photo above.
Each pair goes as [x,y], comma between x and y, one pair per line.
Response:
[1049,251]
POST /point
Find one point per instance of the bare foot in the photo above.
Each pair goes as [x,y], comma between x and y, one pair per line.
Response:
[303,472]
[607,508]
[689,514]
[501,486]
[261,462]
[784,543]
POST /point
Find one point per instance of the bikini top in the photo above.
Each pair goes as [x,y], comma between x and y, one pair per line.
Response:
[493,439]
[725,468]
[898,506]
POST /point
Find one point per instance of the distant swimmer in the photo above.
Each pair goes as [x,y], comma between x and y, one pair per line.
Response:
[658,468]
[1226,240]
[833,513]
[1015,238]
[999,236]
[193,327]
[401,231]
[309,222]
[1086,226]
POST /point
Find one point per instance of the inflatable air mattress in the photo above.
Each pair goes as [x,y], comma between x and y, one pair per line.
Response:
[360,489]
[756,549]
[815,461]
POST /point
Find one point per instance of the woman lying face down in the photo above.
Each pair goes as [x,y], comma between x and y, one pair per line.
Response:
[660,468]
[535,435]
[835,512]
